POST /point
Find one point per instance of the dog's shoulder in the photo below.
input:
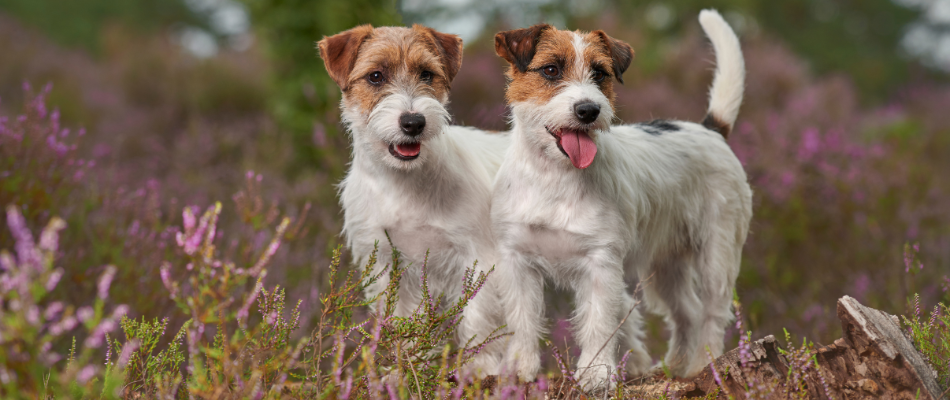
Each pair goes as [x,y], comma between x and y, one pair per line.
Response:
[478,137]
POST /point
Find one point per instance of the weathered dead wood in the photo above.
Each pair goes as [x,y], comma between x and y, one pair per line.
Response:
[874,360]
[766,364]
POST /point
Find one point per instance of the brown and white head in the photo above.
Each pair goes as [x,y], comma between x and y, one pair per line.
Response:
[561,88]
[395,84]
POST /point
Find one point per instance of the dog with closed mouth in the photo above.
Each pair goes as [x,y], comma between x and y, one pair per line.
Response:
[584,203]
[413,176]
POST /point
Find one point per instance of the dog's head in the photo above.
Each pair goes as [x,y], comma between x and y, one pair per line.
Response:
[395,84]
[561,87]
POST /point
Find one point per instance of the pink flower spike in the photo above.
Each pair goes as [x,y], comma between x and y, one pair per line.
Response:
[54,279]
[105,281]
[188,216]
[84,313]
[86,374]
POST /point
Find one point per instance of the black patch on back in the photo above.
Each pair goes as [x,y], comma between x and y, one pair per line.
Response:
[658,126]
[715,124]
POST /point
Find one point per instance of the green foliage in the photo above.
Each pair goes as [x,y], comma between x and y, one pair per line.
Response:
[305,98]
[227,350]
[31,324]
[859,38]
[149,364]
[80,22]
[931,336]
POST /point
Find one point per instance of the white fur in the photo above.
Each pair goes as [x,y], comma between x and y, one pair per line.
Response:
[729,82]
[438,202]
[673,209]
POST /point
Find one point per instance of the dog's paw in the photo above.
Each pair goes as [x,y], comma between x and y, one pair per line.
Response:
[639,364]
[525,366]
[482,365]
[596,379]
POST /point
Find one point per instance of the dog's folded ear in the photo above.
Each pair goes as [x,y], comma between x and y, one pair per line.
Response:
[518,46]
[339,52]
[620,52]
[449,47]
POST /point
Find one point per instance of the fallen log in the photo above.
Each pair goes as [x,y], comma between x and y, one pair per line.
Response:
[874,360]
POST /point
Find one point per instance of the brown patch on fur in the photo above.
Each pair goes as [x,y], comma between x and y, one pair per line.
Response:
[713,123]
[400,55]
[620,52]
[598,55]
[556,47]
[518,46]
[552,47]
[450,48]
[339,52]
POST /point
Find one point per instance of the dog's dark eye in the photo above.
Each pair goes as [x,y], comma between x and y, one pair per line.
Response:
[551,71]
[426,76]
[598,75]
[375,77]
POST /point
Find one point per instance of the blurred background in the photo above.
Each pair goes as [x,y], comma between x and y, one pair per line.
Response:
[844,132]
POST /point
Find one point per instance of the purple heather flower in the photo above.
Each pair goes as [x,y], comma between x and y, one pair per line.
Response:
[52,310]
[69,323]
[127,350]
[85,313]
[85,374]
[49,238]
[105,281]
[712,366]
[54,278]
[165,274]
[26,252]
[33,315]
[120,311]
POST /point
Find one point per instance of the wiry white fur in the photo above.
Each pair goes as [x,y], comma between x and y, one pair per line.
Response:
[672,208]
[728,84]
[438,202]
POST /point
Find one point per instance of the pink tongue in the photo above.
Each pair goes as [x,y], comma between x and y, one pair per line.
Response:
[579,147]
[408,150]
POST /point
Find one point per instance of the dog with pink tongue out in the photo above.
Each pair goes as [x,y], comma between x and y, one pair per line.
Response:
[413,178]
[584,204]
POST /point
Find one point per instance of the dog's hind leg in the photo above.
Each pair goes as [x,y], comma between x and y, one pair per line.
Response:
[696,291]
[638,362]
[673,292]
[718,268]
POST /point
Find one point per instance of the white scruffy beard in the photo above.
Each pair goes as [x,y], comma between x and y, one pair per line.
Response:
[373,132]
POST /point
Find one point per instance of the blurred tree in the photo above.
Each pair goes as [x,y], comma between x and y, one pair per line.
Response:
[305,98]
[79,22]
[859,38]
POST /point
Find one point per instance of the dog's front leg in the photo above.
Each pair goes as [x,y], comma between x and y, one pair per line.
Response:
[521,290]
[481,317]
[600,295]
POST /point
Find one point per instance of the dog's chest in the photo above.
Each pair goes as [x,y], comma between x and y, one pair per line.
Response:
[556,203]
[414,226]
[554,218]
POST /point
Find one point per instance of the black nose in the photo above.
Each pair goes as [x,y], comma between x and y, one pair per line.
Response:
[412,124]
[587,111]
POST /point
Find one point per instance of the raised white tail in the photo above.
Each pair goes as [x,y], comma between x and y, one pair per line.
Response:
[725,96]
